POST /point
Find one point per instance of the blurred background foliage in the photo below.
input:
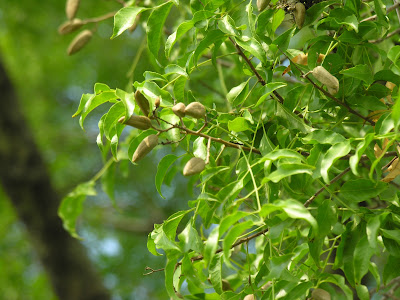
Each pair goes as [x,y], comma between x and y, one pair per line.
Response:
[49,85]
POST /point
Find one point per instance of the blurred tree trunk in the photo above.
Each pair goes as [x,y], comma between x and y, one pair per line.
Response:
[25,180]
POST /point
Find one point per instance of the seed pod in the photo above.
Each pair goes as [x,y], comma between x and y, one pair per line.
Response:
[142,102]
[145,147]
[320,294]
[179,109]
[70,26]
[79,41]
[299,14]
[195,110]
[226,286]
[135,24]
[262,4]
[326,78]
[249,297]
[194,166]
[138,122]
[157,102]
[71,8]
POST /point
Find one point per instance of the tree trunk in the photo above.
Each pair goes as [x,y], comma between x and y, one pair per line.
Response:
[25,180]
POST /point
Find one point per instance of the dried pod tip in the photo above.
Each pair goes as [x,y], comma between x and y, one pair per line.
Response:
[145,147]
[142,102]
[157,102]
[326,78]
[70,26]
[194,166]
[71,8]
[320,294]
[249,297]
[262,4]
[195,110]
[138,122]
[79,41]
[299,14]
[179,109]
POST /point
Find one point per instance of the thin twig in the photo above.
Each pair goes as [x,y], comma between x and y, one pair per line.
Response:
[388,10]
[309,201]
[386,37]
[99,19]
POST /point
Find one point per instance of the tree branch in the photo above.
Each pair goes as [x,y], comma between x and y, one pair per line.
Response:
[388,10]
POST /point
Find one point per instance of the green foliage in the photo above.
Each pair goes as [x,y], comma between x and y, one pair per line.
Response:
[295,186]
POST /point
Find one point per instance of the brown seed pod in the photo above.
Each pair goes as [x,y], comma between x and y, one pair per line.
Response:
[157,102]
[194,166]
[320,294]
[71,8]
[138,122]
[262,4]
[299,14]
[179,109]
[135,24]
[142,102]
[249,297]
[145,147]
[326,78]
[79,41]
[70,26]
[195,110]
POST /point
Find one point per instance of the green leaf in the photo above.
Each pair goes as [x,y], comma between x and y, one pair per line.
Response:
[394,54]
[101,87]
[183,28]
[155,25]
[211,37]
[190,239]
[85,98]
[282,41]
[169,272]
[396,111]
[71,206]
[227,25]
[388,75]
[268,89]
[362,292]
[215,272]
[290,120]
[162,169]
[175,69]
[373,226]
[380,10]
[315,11]
[179,89]
[362,256]
[391,269]
[238,124]
[296,210]
[334,153]
[362,72]
[283,153]
[361,147]
[373,268]
[391,234]
[323,137]
[114,114]
[94,102]
[362,189]
[285,170]
[236,91]
[326,218]
[199,148]
[171,224]
[151,246]
[125,18]
[128,101]
[211,245]
[231,237]
[253,47]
